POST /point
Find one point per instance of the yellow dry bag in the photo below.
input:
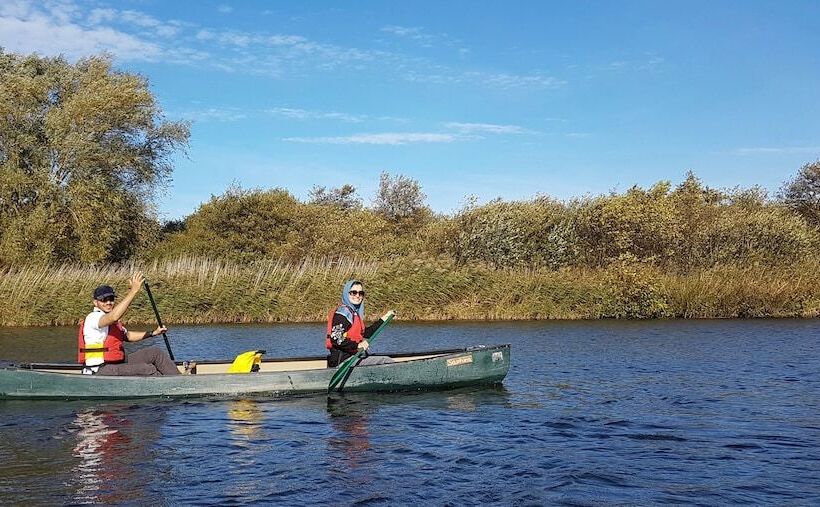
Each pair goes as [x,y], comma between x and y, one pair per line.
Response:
[247,362]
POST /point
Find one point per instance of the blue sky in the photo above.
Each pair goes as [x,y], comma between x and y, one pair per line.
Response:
[470,98]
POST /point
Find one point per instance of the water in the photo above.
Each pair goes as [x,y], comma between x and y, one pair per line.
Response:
[591,413]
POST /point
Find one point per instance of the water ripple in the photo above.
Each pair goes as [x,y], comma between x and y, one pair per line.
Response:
[602,413]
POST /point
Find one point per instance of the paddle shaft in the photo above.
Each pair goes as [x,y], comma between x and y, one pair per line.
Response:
[159,320]
[350,361]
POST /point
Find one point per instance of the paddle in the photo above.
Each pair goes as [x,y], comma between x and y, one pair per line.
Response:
[350,362]
[159,320]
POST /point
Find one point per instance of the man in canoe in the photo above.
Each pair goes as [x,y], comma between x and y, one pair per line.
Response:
[101,338]
[346,332]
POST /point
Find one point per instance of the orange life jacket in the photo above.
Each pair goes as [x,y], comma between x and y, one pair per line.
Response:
[354,334]
[111,350]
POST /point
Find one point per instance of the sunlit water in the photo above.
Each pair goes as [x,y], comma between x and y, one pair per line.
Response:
[591,413]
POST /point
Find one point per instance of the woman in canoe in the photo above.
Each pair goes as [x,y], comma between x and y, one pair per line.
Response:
[101,338]
[346,332]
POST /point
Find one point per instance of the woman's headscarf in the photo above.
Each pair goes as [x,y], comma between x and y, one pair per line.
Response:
[345,310]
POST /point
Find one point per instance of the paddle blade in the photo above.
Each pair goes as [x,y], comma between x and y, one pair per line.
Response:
[342,371]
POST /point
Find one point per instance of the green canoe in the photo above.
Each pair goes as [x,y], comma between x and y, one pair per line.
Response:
[441,369]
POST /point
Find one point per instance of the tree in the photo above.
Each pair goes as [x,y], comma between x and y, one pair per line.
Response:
[802,193]
[83,151]
[343,197]
[400,199]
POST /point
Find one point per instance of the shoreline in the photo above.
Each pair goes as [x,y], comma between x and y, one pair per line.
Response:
[426,321]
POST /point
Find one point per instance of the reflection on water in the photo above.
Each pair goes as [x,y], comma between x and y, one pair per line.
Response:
[461,402]
[112,452]
[244,420]
[100,442]
[352,439]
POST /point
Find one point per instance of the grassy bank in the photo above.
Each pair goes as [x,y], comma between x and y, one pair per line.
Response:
[198,290]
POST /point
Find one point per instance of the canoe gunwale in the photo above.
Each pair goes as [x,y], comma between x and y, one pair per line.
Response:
[421,355]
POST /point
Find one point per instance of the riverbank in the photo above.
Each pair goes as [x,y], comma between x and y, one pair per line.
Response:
[200,291]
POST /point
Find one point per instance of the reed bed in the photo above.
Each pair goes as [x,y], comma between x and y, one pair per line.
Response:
[198,290]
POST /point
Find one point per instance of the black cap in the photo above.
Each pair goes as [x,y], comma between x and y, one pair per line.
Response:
[103,291]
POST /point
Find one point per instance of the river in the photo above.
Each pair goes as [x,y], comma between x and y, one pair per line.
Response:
[708,412]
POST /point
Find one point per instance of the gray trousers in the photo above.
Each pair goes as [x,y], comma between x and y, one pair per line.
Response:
[371,360]
[144,362]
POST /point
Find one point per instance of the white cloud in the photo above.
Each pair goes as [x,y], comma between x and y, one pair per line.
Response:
[213,114]
[425,39]
[445,76]
[388,138]
[503,80]
[225,9]
[63,27]
[413,33]
[97,16]
[781,150]
[301,114]
[52,37]
[485,127]
[401,31]
[648,62]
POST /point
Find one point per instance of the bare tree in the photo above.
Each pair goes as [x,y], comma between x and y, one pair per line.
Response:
[802,193]
[400,198]
[343,197]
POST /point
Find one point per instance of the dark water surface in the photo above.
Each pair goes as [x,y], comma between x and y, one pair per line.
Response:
[591,413]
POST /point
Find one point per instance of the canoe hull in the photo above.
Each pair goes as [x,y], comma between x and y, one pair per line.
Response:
[470,366]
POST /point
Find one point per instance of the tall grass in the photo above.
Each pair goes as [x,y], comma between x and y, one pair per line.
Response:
[202,290]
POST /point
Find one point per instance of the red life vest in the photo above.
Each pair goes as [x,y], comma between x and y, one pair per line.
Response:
[354,334]
[112,350]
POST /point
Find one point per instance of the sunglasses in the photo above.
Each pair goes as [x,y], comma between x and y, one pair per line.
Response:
[356,293]
[108,299]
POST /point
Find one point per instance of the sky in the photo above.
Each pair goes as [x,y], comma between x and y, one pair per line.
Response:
[473,99]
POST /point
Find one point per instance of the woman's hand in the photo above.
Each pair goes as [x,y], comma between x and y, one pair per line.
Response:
[363,345]
[389,314]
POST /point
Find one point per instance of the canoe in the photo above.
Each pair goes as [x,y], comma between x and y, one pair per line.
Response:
[443,369]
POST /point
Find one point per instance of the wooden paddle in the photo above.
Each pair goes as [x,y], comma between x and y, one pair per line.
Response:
[159,320]
[350,362]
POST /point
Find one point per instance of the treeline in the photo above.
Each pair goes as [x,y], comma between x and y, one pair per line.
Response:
[84,149]
[677,228]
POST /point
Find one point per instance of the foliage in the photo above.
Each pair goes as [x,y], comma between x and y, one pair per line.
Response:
[515,234]
[245,225]
[639,223]
[631,290]
[681,229]
[240,225]
[83,149]
[400,200]
[343,197]
[802,193]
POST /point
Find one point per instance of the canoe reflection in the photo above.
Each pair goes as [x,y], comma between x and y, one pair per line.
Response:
[348,417]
